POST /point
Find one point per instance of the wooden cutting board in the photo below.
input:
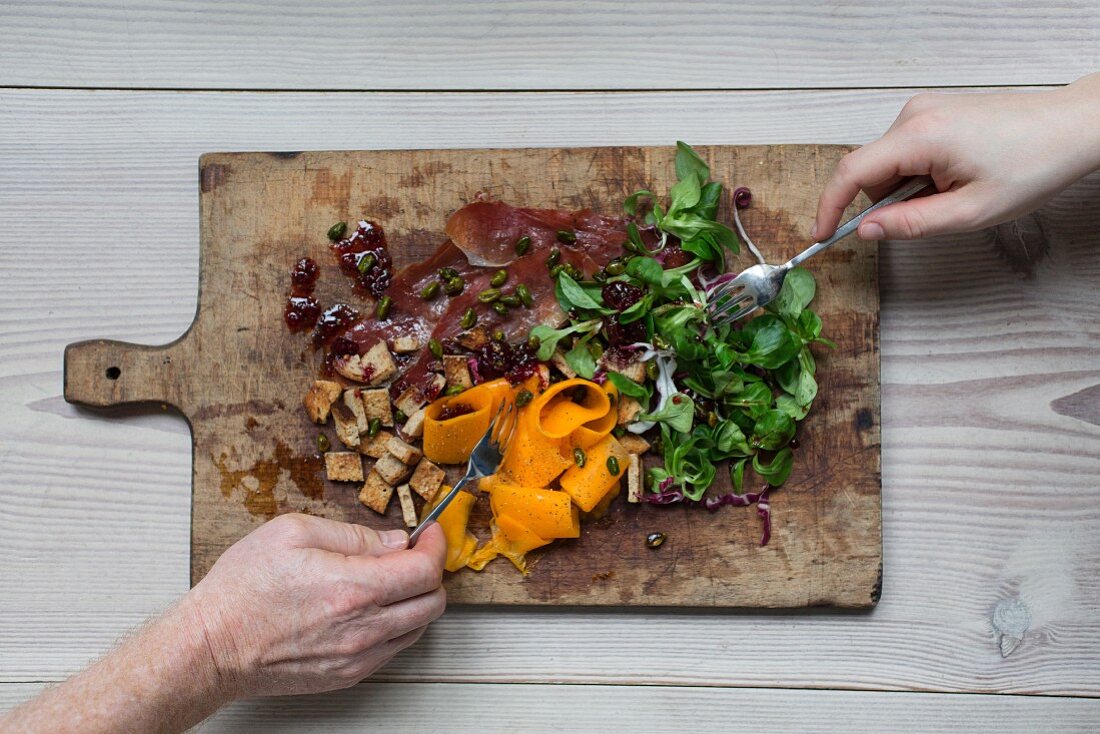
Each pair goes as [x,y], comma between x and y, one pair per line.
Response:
[238,375]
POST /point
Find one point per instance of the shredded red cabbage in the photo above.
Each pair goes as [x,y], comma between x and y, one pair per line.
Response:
[475,374]
[668,494]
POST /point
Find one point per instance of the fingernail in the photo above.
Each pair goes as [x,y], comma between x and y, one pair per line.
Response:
[871,231]
[394,538]
[813,231]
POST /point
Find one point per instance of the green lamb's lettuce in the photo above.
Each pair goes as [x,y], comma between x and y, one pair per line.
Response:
[727,397]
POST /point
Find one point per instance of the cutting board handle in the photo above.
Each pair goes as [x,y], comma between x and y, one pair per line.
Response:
[102,373]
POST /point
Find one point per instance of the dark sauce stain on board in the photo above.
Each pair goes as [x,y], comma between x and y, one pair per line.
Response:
[258,481]
[383,207]
[420,175]
[212,176]
[330,188]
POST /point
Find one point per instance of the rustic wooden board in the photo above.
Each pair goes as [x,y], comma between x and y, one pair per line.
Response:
[237,375]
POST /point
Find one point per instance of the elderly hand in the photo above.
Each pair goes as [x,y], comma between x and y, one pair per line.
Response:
[304,605]
[993,157]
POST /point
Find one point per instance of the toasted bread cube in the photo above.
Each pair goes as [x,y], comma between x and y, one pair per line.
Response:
[414,426]
[355,405]
[375,493]
[475,338]
[376,404]
[347,426]
[456,371]
[392,469]
[378,364]
[629,408]
[544,376]
[343,466]
[633,369]
[558,360]
[427,479]
[408,509]
[410,401]
[405,453]
[634,486]
[374,447]
[319,400]
[633,443]
[406,344]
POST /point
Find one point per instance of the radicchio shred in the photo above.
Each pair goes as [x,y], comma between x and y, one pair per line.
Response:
[668,494]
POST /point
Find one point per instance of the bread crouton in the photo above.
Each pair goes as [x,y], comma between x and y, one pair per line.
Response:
[378,364]
[319,400]
[375,493]
[633,443]
[456,372]
[406,344]
[376,404]
[405,453]
[629,408]
[475,338]
[634,486]
[392,469]
[414,426]
[408,509]
[347,426]
[355,405]
[343,466]
[414,398]
[633,369]
[374,447]
[426,479]
[558,360]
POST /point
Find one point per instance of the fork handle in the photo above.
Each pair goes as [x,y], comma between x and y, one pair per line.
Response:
[908,190]
[436,511]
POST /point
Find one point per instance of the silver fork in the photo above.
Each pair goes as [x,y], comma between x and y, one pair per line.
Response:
[733,298]
[484,461]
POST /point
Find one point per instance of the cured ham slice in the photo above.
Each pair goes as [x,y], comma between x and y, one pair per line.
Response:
[483,239]
[487,231]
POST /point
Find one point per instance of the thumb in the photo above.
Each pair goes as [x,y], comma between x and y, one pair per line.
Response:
[927,216]
[433,543]
[350,539]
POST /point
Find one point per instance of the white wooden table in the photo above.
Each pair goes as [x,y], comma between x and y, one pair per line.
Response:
[991,376]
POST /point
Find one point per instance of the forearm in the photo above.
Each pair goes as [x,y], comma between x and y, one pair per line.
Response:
[1083,112]
[161,679]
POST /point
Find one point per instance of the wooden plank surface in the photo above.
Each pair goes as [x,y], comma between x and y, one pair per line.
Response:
[989,490]
[547,44]
[483,709]
[237,372]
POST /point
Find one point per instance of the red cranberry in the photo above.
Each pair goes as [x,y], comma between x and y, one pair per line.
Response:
[621,296]
[332,322]
[301,312]
[674,257]
[304,276]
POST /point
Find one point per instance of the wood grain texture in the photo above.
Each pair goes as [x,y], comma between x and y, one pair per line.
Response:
[989,494]
[236,374]
[547,44]
[484,709]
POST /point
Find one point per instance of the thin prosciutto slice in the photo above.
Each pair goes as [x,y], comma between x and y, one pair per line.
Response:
[483,240]
[487,231]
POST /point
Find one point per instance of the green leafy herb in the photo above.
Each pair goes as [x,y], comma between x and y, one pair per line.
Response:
[728,397]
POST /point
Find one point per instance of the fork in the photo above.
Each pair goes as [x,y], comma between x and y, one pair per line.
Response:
[484,461]
[732,298]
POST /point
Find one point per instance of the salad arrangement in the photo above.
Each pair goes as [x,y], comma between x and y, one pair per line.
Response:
[728,397]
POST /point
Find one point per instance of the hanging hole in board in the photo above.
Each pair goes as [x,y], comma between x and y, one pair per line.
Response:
[113,373]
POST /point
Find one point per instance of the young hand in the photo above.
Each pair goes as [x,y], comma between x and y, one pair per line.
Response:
[993,157]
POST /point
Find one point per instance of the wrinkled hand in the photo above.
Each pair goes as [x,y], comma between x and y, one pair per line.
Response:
[993,157]
[304,605]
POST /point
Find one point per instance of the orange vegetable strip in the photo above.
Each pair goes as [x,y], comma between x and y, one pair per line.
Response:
[587,485]
[548,513]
